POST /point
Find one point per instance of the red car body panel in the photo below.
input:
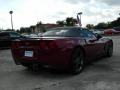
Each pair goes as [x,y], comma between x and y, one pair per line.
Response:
[56,51]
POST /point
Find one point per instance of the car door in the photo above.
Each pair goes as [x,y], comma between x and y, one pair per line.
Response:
[91,45]
[100,44]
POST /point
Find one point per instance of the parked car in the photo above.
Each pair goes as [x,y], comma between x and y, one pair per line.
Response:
[116,28]
[40,34]
[111,31]
[33,35]
[6,37]
[68,48]
[25,35]
[98,31]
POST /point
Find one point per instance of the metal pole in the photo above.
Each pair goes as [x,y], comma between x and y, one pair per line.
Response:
[80,23]
[11,12]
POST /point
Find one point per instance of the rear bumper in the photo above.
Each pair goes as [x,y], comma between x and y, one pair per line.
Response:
[56,58]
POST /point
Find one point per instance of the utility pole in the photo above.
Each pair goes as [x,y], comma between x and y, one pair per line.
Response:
[11,12]
[79,18]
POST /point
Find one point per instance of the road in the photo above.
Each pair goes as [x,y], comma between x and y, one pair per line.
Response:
[103,74]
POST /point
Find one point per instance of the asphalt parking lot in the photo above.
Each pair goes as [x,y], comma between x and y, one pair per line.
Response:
[103,74]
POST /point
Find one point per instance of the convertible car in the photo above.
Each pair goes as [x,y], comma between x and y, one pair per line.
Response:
[67,48]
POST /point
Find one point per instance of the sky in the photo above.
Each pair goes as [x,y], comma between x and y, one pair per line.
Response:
[29,12]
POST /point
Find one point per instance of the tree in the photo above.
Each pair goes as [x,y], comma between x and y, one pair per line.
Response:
[22,30]
[61,23]
[70,21]
[31,29]
[114,23]
[101,26]
[89,26]
[25,30]
[18,30]
[28,30]
[39,24]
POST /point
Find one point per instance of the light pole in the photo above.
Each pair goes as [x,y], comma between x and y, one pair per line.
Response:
[79,18]
[11,12]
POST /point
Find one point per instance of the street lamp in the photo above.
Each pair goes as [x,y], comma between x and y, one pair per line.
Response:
[79,19]
[11,12]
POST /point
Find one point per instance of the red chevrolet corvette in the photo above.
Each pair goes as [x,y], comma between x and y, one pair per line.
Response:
[66,47]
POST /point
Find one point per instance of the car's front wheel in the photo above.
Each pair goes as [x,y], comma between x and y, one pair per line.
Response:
[108,50]
[77,61]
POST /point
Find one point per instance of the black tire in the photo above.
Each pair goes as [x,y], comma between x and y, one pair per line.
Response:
[77,61]
[108,50]
[26,65]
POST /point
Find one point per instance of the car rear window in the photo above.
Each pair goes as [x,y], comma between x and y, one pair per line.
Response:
[67,32]
[55,33]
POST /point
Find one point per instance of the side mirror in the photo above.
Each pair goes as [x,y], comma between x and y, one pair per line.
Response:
[98,36]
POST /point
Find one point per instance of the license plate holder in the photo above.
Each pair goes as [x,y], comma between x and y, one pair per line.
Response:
[28,53]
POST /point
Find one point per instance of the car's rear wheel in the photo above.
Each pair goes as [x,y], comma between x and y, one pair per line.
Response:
[32,67]
[109,50]
[27,65]
[77,61]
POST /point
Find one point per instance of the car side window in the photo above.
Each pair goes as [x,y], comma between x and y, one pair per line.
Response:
[88,34]
[73,33]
